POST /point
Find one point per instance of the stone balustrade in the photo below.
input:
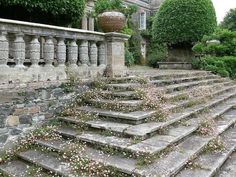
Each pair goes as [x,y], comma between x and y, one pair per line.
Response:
[31,52]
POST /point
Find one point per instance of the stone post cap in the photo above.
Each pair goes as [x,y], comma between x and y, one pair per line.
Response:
[113,36]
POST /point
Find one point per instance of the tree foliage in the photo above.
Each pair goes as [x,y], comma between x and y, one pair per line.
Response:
[60,12]
[229,21]
[184,21]
[221,43]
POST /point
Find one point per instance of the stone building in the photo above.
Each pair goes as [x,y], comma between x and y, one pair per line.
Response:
[146,8]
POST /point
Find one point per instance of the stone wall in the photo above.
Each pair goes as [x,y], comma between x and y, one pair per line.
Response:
[22,111]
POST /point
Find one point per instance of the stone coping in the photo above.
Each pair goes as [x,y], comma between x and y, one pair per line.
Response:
[24,23]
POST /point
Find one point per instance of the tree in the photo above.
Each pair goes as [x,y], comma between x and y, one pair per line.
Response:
[183,22]
[57,12]
[229,21]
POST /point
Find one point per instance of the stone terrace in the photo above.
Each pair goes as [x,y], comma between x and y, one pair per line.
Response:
[137,141]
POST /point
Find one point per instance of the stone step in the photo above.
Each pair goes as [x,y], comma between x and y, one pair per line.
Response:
[68,132]
[15,168]
[123,86]
[48,162]
[168,75]
[229,168]
[182,80]
[174,95]
[111,141]
[146,129]
[157,143]
[125,165]
[183,86]
[194,100]
[173,162]
[135,117]
[124,103]
[121,94]
[207,164]
[58,145]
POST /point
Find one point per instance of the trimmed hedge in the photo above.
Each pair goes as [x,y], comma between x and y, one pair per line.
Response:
[58,12]
[184,21]
[224,66]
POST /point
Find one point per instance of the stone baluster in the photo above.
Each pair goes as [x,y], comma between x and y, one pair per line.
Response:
[102,54]
[85,23]
[19,50]
[61,52]
[93,54]
[83,53]
[34,51]
[4,49]
[73,53]
[48,49]
[91,24]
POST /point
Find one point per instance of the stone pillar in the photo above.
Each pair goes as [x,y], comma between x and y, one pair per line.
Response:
[19,50]
[61,52]
[102,54]
[91,24]
[83,53]
[48,49]
[4,50]
[85,23]
[116,54]
[73,53]
[93,54]
[34,51]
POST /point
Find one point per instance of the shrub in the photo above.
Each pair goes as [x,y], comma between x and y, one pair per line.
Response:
[129,58]
[229,21]
[116,5]
[135,44]
[224,66]
[156,53]
[184,21]
[59,12]
[224,44]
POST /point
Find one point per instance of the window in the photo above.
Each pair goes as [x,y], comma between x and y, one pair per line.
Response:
[142,22]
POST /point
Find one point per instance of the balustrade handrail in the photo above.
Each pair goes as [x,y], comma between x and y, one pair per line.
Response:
[29,28]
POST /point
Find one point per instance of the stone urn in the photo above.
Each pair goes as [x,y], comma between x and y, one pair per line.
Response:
[111,21]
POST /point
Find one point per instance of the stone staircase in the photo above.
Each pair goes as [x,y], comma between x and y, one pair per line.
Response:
[131,143]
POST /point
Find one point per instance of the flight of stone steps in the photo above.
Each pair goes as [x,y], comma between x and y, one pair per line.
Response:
[126,140]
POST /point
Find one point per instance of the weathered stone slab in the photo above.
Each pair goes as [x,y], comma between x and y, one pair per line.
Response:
[67,131]
[135,116]
[170,164]
[229,168]
[15,168]
[208,164]
[111,141]
[48,162]
[107,125]
[58,145]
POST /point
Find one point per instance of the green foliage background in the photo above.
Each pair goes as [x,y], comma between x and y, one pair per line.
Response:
[184,21]
[229,21]
[225,47]
[57,12]
[224,66]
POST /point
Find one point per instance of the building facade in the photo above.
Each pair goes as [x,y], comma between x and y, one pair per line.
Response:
[146,8]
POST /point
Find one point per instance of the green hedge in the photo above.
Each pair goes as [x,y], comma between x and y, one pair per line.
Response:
[224,66]
[184,21]
[225,45]
[59,12]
